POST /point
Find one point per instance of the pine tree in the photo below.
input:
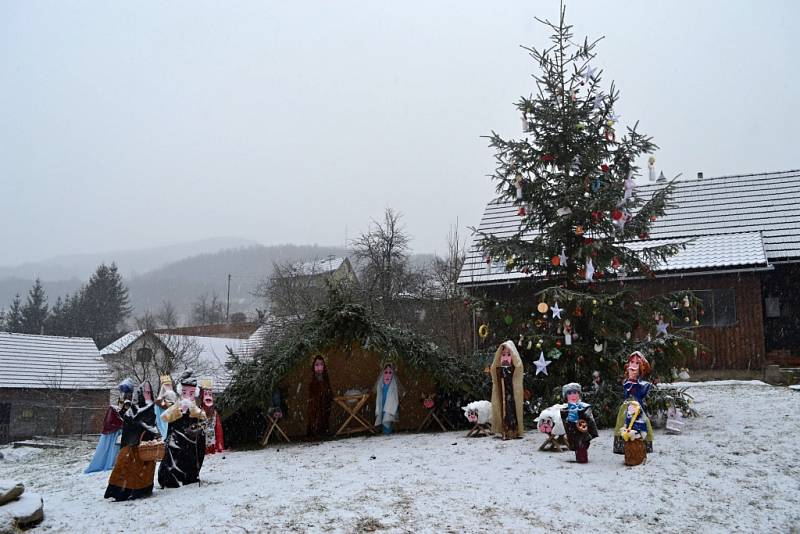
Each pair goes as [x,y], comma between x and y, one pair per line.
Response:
[104,304]
[582,230]
[34,312]
[13,321]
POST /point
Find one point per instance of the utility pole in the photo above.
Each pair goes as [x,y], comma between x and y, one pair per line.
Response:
[228,304]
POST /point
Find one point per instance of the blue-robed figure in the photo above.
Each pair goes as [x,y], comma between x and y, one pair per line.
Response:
[105,455]
[387,402]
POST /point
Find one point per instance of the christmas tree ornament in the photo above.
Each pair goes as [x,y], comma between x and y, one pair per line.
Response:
[629,185]
[530,344]
[556,311]
[563,212]
[686,303]
[661,177]
[598,346]
[661,327]
[510,263]
[521,212]
[604,167]
[589,73]
[556,261]
[563,258]
[589,271]
[518,185]
[579,230]
[578,422]
[525,124]
[483,331]
[615,263]
[508,319]
[651,168]
[609,134]
[542,307]
[554,354]
[541,364]
[567,332]
[596,183]
[653,218]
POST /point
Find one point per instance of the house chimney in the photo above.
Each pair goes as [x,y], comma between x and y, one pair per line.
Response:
[661,177]
[699,175]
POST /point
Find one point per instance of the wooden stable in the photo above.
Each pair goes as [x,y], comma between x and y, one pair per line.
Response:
[357,369]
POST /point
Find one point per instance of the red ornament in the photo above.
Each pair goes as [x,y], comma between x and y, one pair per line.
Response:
[643,235]
[653,218]
[594,253]
[521,211]
[578,311]
[588,240]
[558,343]
[597,216]
[615,262]
[548,157]
[555,260]
[616,215]
[599,274]
[604,167]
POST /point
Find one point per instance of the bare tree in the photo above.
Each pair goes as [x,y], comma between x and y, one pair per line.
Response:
[457,327]
[447,269]
[155,355]
[383,253]
[208,311]
[146,321]
[293,288]
[167,317]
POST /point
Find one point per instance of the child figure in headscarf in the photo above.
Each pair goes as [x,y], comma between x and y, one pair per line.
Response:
[507,393]
[318,409]
[107,448]
[132,478]
[387,403]
[215,439]
[578,422]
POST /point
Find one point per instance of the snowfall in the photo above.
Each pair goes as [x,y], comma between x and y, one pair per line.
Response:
[735,468]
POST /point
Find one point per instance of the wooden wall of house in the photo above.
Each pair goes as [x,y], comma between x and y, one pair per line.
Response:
[739,346]
[43,412]
[358,369]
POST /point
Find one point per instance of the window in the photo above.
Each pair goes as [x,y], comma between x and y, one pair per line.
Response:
[719,307]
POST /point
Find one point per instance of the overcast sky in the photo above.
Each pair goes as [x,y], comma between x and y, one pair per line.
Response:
[136,124]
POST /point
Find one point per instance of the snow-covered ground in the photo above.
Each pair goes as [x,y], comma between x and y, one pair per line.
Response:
[735,468]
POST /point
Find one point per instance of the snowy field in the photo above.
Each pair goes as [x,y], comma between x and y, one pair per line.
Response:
[735,469]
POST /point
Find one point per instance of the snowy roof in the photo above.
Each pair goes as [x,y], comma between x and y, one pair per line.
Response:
[29,361]
[738,221]
[122,343]
[323,266]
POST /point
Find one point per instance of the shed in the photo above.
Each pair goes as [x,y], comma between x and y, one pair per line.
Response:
[51,385]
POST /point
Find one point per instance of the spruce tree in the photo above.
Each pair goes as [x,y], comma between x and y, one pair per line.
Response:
[582,232]
[34,312]
[104,304]
[13,320]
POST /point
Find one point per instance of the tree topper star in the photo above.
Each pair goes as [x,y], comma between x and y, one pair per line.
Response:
[541,364]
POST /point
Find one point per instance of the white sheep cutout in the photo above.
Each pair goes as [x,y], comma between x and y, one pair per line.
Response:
[479,413]
[549,422]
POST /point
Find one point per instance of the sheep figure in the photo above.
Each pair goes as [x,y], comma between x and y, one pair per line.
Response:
[480,414]
[549,422]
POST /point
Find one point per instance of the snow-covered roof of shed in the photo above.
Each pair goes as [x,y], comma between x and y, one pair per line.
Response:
[40,362]
[738,221]
[122,343]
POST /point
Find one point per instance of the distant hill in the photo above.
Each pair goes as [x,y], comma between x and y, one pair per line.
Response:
[130,262]
[181,281]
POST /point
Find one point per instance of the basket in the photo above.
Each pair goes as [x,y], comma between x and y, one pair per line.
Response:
[151,451]
[635,452]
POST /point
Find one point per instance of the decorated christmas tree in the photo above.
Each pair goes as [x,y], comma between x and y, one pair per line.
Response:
[583,233]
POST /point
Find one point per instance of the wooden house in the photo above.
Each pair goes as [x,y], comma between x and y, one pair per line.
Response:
[741,260]
[51,385]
